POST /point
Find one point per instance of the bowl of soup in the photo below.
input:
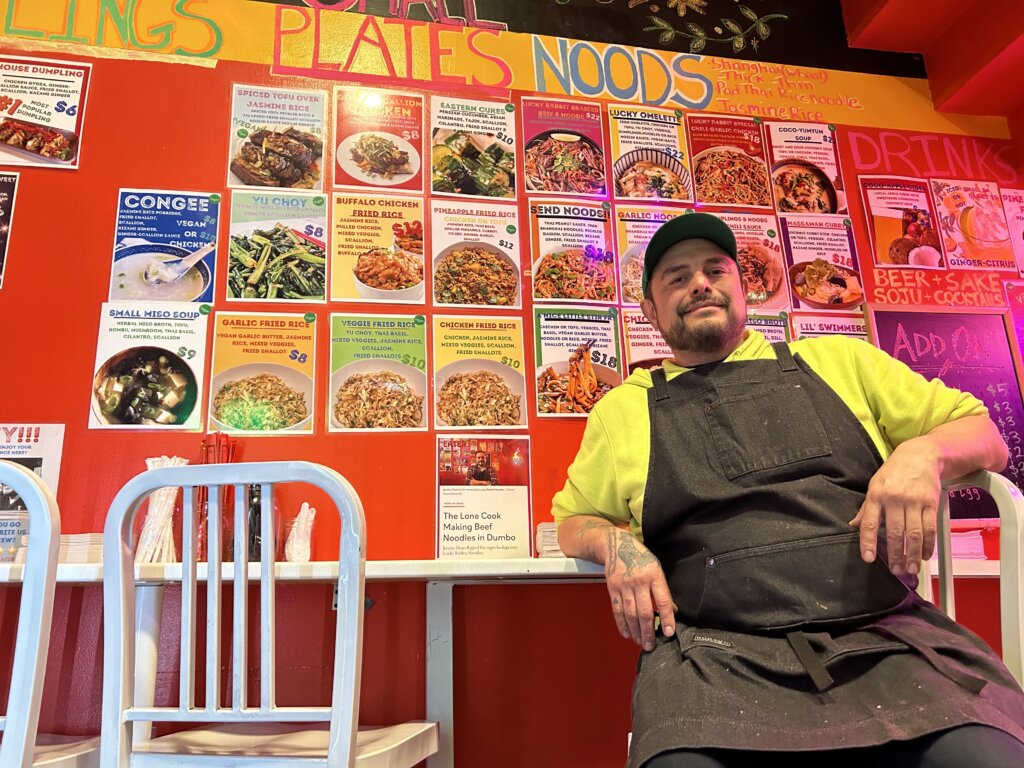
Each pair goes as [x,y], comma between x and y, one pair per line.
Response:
[128,276]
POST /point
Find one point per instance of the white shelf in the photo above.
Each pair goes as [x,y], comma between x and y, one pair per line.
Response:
[524,569]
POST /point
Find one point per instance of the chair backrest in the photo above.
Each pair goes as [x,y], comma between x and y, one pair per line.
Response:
[33,639]
[120,711]
[1010,503]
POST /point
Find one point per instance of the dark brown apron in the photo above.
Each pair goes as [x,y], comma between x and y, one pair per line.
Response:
[786,639]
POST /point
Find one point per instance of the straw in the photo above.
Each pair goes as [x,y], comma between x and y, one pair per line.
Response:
[296,548]
[156,541]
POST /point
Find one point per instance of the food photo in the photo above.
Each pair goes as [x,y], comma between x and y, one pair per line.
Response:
[560,161]
[274,156]
[472,164]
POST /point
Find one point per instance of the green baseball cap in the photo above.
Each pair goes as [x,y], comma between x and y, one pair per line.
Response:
[688,226]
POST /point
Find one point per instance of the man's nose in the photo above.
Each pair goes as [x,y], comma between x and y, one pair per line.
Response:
[699,283]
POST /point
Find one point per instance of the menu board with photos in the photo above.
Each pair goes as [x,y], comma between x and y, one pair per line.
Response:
[971,353]
[405,261]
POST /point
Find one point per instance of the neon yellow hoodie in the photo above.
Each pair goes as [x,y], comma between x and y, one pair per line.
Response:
[895,404]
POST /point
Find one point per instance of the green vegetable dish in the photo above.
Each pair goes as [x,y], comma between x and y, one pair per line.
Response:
[277,264]
[472,164]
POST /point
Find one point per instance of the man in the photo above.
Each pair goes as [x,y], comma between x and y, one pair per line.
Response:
[738,493]
[481,473]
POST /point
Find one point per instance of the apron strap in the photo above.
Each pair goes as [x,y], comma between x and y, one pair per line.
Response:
[819,675]
[963,679]
[660,383]
[784,356]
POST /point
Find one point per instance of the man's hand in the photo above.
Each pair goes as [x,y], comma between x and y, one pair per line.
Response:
[637,587]
[636,583]
[907,486]
[905,490]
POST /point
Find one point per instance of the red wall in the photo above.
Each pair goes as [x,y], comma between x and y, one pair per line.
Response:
[542,677]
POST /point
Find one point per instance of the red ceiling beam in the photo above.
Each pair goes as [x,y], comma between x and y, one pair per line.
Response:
[977,65]
[909,26]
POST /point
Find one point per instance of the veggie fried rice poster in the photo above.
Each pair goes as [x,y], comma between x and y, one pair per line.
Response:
[378,373]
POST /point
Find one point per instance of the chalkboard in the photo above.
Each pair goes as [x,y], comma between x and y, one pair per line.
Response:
[970,352]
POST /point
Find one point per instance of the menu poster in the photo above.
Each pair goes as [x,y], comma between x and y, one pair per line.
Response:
[564,147]
[1013,207]
[476,259]
[762,265]
[643,344]
[971,353]
[277,247]
[262,377]
[635,225]
[483,497]
[277,137]
[808,325]
[901,222]
[377,253]
[37,447]
[823,271]
[973,224]
[473,146]
[571,243]
[773,327]
[378,373]
[379,137]
[479,365]
[150,364]
[8,196]
[805,168]
[577,358]
[157,239]
[729,161]
[42,111]
[648,148]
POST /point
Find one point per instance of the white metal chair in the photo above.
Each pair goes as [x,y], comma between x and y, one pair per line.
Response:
[1010,503]
[22,746]
[240,735]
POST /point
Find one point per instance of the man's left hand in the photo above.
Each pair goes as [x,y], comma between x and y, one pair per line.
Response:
[906,491]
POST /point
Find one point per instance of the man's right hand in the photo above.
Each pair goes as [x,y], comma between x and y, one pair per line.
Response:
[636,583]
[638,589]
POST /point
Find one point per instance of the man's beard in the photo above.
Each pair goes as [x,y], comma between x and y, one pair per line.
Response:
[703,336]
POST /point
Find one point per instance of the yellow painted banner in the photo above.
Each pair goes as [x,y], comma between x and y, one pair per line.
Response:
[345,46]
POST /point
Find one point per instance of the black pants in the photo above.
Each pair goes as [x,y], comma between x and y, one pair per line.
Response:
[976,746]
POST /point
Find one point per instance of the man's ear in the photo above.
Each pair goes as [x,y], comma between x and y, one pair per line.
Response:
[647,307]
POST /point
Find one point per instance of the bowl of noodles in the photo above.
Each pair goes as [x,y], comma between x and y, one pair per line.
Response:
[479,393]
[761,271]
[387,274]
[574,385]
[378,394]
[824,285]
[261,397]
[729,176]
[652,174]
[476,274]
[566,162]
[585,274]
[631,271]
